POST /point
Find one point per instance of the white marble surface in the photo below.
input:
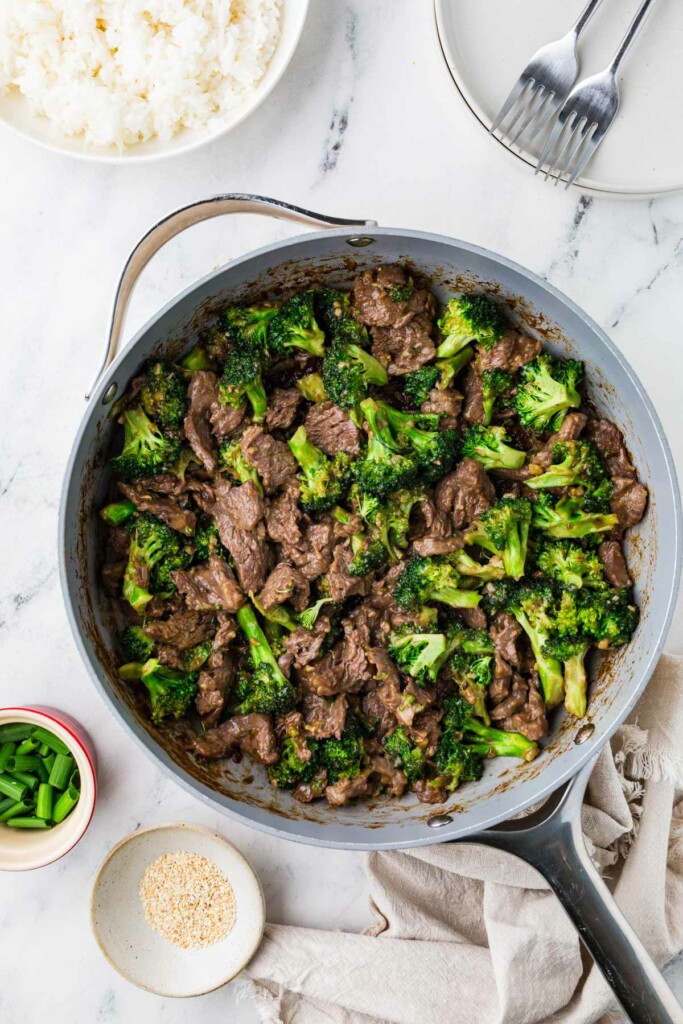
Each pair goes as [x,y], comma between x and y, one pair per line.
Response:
[364,123]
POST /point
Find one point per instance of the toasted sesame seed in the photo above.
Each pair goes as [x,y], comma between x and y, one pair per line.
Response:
[187,899]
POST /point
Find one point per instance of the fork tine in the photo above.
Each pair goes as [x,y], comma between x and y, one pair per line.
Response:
[544,118]
[535,107]
[515,95]
[526,100]
[581,126]
[592,143]
[562,143]
[550,148]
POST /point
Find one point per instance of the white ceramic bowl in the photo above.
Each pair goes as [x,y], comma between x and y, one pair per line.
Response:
[23,849]
[132,946]
[16,114]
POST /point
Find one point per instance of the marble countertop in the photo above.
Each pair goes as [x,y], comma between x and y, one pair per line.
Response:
[364,123]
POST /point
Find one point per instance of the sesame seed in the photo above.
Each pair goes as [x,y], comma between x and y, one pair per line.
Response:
[187,899]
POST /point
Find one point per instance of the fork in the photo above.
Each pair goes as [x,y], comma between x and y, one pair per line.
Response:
[587,114]
[543,85]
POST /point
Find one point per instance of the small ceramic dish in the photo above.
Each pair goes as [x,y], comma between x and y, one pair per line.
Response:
[24,849]
[138,952]
[16,113]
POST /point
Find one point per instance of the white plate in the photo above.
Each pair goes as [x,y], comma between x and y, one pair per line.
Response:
[487,43]
[136,950]
[16,114]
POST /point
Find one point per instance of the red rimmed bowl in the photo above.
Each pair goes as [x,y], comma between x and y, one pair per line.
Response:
[25,849]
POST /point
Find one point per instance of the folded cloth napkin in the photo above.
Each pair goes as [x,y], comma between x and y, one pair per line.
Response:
[467,934]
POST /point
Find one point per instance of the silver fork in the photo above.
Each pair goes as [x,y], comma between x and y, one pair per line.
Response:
[543,85]
[587,114]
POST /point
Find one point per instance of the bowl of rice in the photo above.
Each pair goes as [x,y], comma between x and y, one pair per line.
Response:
[142,80]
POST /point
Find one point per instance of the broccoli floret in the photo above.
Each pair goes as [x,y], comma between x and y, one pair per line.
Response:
[348,373]
[470,318]
[368,555]
[164,394]
[568,518]
[533,605]
[575,463]
[473,674]
[232,458]
[333,312]
[468,641]
[185,459]
[292,770]
[170,690]
[324,481]
[379,471]
[402,292]
[418,384]
[146,451]
[117,512]
[418,652]
[242,380]
[309,616]
[547,389]
[451,367]
[247,327]
[294,326]
[570,564]
[342,758]
[151,543]
[608,616]
[423,580]
[483,572]
[312,388]
[504,530]
[197,359]
[206,540]
[389,518]
[571,651]
[436,450]
[465,740]
[405,754]
[458,763]
[488,446]
[195,657]
[136,645]
[494,385]
[264,689]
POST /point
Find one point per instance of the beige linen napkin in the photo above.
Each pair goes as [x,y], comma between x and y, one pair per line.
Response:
[468,935]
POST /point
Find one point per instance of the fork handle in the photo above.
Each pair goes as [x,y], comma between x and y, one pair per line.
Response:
[630,37]
[585,17]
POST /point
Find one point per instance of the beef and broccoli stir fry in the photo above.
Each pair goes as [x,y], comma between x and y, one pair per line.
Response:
[368,545]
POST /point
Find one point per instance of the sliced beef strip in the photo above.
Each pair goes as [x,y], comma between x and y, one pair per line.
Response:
[164,483]
[225,420]
[159,607]
[313,554]
[305,792]
[169,656]
[203,395]
[341,584]
[430,521]
[344,669]
[239,513]
[426,730]
[346,790]
[531,719]
[612,557]
[473,406]
[226,630]
[404,347]
[628,503]
[112,577]
[250,734]
[209,586]
[213,685]
[429,546]
[372,302]
[504,631]
[283,406]
[118,542]
[609,441]
[571,429]
[285,583]
[510,353]
[445,403]
[272,459]
[391,778]
[182,629]
[305,645]
[378,714]
[389,691]
[512,701]
[428,793]
[324,719]
[181,519]
[202,494]
[465,493]
[474,618]
[331,429]
[284,515]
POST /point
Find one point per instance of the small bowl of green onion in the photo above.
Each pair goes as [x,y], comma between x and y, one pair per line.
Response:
[48,786]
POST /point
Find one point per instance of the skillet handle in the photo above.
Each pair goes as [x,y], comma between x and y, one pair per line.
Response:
[551,841]
[185,217]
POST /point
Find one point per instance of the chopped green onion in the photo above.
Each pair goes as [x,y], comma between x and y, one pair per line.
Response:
[28,746]
[41,771]
[61,770]
[6,751]
[7,802]
[49,761]
[10,787]
[28,823]
[26,778]
[15,731]
[43,749]
[49,740]
[44,801]
[16,809]
[66,802]
[23,763]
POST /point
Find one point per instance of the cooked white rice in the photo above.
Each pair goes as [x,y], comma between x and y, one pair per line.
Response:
[118,72]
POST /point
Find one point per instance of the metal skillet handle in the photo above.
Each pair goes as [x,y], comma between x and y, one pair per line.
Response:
[551,841]
[185,217]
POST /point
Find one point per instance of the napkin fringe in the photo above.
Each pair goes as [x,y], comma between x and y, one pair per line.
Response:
[643,760]
[268,1004]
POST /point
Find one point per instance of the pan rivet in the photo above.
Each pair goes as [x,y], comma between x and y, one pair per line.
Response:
[584,733]
[110,394]
[359,241]
[439,820]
